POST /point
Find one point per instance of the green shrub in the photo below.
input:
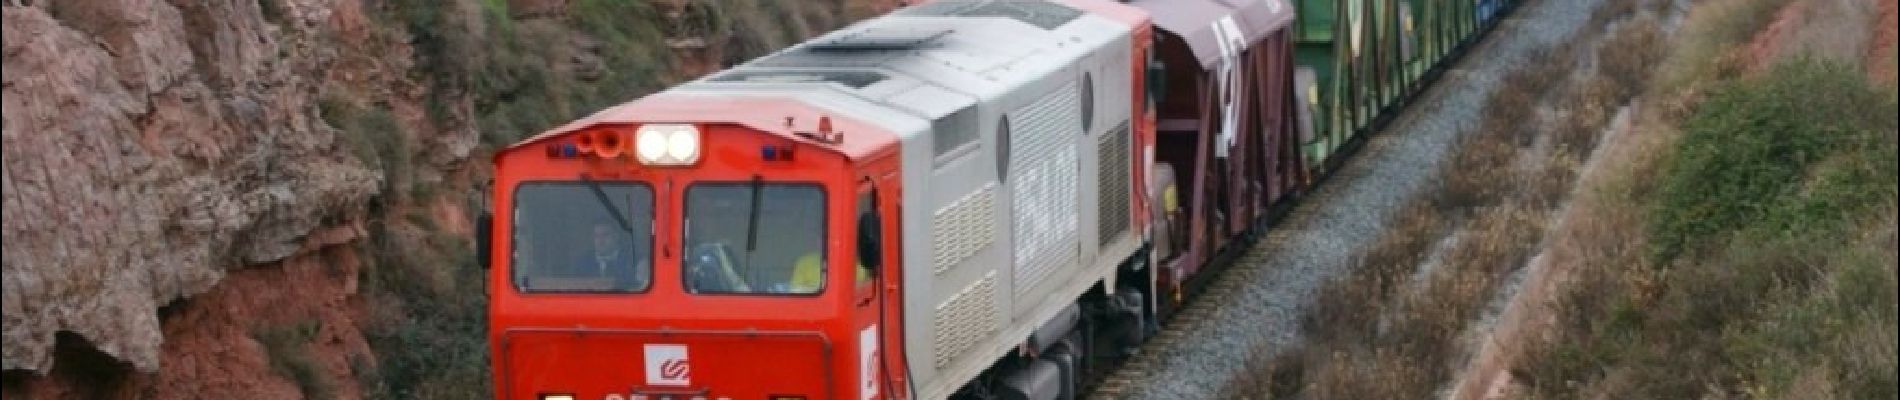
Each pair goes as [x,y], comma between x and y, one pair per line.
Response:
[1747,150]
[289,352]
[374,138]
[432,342]
[1841,326]
[1774,282]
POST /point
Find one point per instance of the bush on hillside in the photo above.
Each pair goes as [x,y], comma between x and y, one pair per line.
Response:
[1748,149]
[1771,280]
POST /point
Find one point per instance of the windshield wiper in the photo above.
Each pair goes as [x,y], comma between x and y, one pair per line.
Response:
[752,225]
[599,194]
[752,220]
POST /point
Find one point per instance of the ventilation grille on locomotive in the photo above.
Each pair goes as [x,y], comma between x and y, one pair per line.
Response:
[962,228]
[966,319]
[1113,183]
[1043,166]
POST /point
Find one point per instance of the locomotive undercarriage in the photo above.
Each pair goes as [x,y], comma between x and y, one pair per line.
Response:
[1066,356]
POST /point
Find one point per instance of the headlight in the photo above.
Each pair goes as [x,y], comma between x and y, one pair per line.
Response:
[557,397]
[650,143]
[683,145]
[667,144]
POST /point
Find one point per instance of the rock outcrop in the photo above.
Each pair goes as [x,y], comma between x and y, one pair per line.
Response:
[151,147]
[193,188]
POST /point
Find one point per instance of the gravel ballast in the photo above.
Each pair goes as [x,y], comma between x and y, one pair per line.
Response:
[1259,302]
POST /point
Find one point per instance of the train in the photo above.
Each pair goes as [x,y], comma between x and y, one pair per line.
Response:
[991,199]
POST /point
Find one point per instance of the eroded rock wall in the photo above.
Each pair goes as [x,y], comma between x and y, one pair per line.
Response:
[186,179]
[153,147]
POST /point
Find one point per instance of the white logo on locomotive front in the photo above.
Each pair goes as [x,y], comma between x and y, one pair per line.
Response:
[666,364]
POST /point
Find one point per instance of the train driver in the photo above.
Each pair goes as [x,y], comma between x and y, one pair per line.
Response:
[614,259]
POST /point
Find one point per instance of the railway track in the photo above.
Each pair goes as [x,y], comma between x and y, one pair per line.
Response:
[1269,275]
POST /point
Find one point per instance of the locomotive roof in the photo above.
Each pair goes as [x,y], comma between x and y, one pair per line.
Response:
[899,71]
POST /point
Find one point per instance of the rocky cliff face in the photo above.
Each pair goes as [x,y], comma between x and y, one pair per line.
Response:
[151,148]
[265,198]
[174,194]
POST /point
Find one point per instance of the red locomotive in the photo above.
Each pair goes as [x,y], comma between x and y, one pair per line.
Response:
[981,199]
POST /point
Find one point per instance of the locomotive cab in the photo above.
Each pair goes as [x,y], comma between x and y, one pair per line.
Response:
[654,252]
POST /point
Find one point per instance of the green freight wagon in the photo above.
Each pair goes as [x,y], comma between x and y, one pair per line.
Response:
[1358,59]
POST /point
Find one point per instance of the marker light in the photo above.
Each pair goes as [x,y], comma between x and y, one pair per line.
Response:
[667,144]
[775,153]
[562,150]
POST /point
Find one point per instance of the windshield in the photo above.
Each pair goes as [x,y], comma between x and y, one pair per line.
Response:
[754,237]
[567,239]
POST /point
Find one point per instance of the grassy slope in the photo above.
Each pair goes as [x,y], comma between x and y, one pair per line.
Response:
[1754,249]
[1739,242]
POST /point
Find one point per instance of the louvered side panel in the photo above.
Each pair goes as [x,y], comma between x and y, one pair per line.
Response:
[1113,184]
[966,319]
[962,228]
[1042,183]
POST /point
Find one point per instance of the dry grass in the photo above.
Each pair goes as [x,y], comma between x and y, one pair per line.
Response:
[1481,171]
[1481,164]
[1615,10]
[1834,30]
[1385,268]
[1628,55]
[1704,51]
[1387,332]
[1454,293]
[1399,324]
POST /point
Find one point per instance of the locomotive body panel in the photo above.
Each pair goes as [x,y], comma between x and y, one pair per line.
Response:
[985,262]
[994,243]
